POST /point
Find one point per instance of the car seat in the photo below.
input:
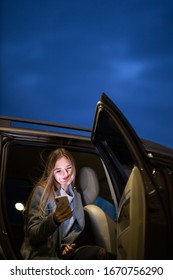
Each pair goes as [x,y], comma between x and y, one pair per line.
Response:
[102,226]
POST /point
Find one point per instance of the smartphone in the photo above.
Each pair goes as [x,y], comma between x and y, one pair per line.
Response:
[62,198]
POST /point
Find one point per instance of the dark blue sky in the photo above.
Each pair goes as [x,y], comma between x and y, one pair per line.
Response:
[58,56]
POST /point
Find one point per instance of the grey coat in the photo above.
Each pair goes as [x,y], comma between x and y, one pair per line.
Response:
[42,240]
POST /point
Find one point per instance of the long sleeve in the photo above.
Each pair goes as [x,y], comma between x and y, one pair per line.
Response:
[39,229]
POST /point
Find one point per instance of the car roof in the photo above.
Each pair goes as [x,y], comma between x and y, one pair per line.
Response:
[157,148]
[11,124]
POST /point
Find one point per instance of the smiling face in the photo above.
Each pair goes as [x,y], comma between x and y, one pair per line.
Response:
[63,172]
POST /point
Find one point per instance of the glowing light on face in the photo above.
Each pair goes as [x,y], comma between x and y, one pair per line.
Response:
[63,171]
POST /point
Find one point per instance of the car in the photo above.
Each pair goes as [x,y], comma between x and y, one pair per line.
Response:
[126,182]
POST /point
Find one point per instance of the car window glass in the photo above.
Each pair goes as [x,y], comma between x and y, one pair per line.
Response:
[112,145]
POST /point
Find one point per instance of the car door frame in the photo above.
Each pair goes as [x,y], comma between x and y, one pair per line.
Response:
[150,197]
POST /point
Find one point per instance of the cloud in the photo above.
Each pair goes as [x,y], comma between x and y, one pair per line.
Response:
[58,57]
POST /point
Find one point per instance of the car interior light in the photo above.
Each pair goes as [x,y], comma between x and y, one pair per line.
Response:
[19,206]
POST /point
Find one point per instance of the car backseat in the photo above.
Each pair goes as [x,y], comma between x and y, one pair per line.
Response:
[100,222]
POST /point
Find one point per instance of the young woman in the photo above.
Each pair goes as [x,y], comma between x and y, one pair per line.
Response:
[52,231]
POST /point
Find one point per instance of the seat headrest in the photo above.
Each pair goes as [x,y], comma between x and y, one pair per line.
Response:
[89,185]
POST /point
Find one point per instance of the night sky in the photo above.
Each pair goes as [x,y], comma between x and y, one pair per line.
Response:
[58,56]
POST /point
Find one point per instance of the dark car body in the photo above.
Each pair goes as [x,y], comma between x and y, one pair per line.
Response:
[135,179]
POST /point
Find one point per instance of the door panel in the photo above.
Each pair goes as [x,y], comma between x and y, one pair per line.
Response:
[131,219]
[144,230]
[121,150]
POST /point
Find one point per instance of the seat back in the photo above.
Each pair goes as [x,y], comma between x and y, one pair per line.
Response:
[89,185]
[98,222]
[102,227]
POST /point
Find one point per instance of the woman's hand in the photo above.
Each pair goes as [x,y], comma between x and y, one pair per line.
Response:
[68,249]
[62,213]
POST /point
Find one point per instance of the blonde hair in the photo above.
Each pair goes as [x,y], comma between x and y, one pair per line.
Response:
[47,180]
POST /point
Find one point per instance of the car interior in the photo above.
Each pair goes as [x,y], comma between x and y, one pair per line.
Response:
[24,165]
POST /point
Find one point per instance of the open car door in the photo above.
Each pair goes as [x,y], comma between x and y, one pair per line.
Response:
[139,212]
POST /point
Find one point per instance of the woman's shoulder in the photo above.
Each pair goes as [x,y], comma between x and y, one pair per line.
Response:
[38,190]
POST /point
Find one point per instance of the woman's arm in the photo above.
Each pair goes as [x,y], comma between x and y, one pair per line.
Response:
[39,229]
